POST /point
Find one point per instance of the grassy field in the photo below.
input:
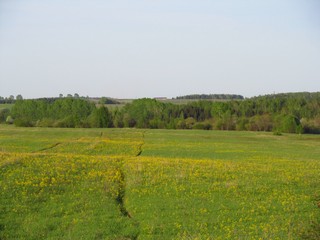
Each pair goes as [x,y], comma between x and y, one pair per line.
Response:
[8,106]
[158,184]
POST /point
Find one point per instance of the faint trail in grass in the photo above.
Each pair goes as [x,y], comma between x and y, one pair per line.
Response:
[48,148]
[142,144]
[313,232]
[121,194]
[120,198]
[55,145]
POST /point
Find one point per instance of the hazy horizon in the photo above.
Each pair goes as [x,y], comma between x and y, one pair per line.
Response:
[151,97]
[125,49]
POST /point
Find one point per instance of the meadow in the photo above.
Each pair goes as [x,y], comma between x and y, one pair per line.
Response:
[7,105]
[158,184]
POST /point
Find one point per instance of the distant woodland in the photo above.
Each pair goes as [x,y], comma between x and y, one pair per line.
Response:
[289,113]
[212,96]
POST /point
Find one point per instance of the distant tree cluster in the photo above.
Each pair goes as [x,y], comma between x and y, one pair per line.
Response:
[279,113]
[292,113]
[105,100]
[76,95]
[11,99]
[212,96]
[65,112]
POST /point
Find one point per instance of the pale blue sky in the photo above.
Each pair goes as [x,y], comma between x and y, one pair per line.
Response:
[153,48]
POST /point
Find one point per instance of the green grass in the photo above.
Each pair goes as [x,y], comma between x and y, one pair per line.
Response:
[157,184]
[49,198]
[235,145]
[3,106]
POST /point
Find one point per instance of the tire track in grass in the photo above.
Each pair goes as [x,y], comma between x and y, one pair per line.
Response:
[121,192]
[122,185]
[140,148]
[120,198]
[48,148]
[55,145]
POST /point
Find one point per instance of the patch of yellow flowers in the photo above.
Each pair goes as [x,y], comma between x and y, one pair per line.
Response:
[262,198]
[222,199]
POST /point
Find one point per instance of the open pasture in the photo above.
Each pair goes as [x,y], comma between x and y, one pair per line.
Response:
[157,184]
[6,105]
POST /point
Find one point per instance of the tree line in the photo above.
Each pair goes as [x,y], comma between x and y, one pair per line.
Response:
[11,99]
[292,113]
[64,112]
[212,96]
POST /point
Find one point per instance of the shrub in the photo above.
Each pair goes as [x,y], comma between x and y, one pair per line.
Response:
[311,125]
[64,123]
[23,122]
[242,124]
[181,124]
[203,126]
[190,121]
[46,122]
[4,113]
[277,133]
[9,120]
[260,123]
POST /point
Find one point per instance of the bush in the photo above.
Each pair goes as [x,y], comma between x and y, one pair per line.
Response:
[4,113]
[64,123]
[190,121]
[156,123]
[23,123]
[288,124]
[277,133]
[203,126]
[311,125]
[242,124]
[225,124]
[181,124]
[46,122]
[9,120]
[260,123]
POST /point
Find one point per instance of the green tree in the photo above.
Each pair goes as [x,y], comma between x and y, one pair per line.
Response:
[287,123]
[140,112]
[226,122]
[103,100]
[4,113]
[118,118]
[100,118]
[19,97]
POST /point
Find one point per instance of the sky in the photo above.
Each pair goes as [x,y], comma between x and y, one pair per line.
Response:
[158,48]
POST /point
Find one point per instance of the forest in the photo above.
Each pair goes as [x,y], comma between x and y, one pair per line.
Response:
[212,96]
[280,113]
